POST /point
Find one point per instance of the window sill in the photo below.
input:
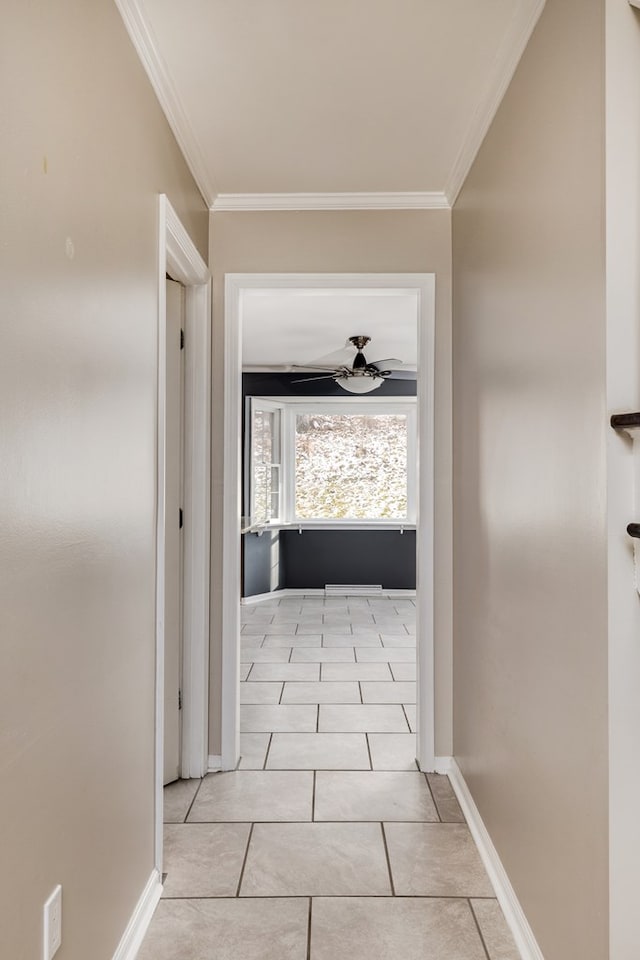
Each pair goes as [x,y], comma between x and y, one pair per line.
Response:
[302,525]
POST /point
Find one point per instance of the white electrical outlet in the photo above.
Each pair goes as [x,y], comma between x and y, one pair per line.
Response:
[53,923]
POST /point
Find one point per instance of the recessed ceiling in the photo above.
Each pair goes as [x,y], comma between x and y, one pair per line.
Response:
[326,96]
[281,327]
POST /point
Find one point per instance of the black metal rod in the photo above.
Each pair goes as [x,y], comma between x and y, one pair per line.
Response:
[633,529]
[621,420]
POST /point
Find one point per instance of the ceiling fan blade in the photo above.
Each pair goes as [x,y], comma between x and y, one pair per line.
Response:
[337,358]
[400,374]
[406,376]
[390,363]
[326,376]
[327,367]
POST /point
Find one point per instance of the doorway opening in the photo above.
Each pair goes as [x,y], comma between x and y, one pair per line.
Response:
[183,509]
[239,291]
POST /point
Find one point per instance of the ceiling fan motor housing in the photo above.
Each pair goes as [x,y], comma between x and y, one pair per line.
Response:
[360,364]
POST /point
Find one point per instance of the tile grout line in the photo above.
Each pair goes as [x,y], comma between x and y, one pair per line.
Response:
[366,737]
[309,929]
[433,796]
[313,798]
[244,862]
[480,934]
[266,756]
[406,718]
[194,799]
[386,853]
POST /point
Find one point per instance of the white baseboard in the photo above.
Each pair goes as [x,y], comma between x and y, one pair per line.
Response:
[353,590]
[293,592]
[513,912]
[140,919]
[434,764]
[214,764]
[279,594]
[442,764]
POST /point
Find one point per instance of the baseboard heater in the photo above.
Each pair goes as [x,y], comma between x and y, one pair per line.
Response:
[351,589]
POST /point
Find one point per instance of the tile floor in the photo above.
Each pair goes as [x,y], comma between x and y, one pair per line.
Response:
[327,843]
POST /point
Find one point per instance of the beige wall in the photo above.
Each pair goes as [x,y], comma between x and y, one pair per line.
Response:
[85,151]
[343,242]
[530,575]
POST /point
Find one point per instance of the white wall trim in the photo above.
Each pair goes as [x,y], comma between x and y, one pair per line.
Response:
[144,41]
[513,912]
[232,501]
[196,545]
[214,764]
[423,287]
[178,256]
[140,919]
[399,200]
[516,37]
[525,17]
[279,594]
[442,765]
[318,592]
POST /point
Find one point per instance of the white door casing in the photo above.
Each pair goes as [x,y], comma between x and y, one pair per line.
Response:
[179,257]
[173,568]
[423,287]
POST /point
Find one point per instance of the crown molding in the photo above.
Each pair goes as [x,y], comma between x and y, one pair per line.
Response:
[146,46]
[514,42]
[330,201]
[506,61]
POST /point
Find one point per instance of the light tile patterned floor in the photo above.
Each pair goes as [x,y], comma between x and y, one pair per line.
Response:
[327,843]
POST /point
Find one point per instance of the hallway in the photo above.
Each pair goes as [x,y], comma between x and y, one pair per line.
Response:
[327,842]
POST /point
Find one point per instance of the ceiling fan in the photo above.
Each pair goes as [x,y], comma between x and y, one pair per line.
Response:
[361,376]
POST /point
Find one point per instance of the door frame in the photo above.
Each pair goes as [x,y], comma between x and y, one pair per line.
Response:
[178,257]
[236,285]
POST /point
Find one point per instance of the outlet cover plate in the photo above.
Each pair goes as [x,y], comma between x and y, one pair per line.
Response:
[53,924]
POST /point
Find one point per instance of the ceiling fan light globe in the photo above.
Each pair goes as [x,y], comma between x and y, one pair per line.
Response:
[360,384]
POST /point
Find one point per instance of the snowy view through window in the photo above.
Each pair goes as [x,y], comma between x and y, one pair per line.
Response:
[351,467]
[265,466]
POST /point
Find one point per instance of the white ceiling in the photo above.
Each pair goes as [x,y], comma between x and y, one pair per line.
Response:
[326,96]
[280,327]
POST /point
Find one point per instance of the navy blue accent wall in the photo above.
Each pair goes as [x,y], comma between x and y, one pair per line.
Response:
[314,558]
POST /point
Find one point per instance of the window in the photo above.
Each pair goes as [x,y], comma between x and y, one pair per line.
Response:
[265,463]
[334,462]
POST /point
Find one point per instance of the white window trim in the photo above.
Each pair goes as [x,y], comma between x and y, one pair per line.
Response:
[289,408]
[271,406]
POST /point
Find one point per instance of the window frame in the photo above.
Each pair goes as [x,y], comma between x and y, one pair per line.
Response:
[289,408]
[263,405]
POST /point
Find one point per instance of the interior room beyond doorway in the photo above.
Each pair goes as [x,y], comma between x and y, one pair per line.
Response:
[295,341]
